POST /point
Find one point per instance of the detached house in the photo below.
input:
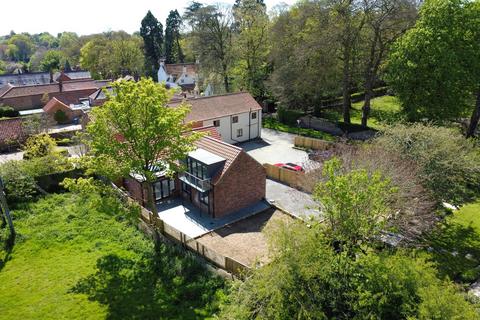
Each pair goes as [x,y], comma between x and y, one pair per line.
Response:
[237,117]
[219,179]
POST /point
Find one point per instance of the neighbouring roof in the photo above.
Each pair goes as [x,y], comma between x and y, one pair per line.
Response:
[67,86]
[206,108]
[11,130]
[38,78]
[205,156]
[221,149]
[176,69]
[54,102]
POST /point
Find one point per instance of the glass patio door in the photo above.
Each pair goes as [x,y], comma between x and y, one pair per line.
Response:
[163,189]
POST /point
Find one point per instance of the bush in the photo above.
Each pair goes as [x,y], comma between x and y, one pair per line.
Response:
[60,116]
[19,185]
[289,116]
[38,146]
[449,164]
[64,142]
[8,112]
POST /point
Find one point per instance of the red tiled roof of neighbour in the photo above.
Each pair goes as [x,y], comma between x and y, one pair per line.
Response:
[210,131]
[11,130]
[207,108]
[221,149]
[54,102]
[177,68]
[67,86]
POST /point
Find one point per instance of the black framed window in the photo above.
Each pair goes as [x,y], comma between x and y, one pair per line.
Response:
[239,132]
[234,119]
[203,197]
[196,168]
[186,188]
[163,189]
[216,123]
[254,115]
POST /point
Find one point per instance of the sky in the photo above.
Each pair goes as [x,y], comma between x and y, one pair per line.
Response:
[89,16]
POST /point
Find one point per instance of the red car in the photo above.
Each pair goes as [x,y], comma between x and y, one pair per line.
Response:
[289,166]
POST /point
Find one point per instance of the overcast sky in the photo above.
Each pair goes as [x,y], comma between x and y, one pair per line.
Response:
[88,16]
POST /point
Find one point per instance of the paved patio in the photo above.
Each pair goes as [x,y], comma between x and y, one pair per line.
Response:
[187,219]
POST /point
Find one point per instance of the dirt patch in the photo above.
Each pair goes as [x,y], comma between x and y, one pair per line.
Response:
[245,240]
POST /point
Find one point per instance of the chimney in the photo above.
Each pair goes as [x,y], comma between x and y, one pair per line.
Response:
[60,85]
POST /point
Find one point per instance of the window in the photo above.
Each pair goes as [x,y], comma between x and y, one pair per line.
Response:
[239,133]
[216,123]
[254,115]
[163,189]
[203,197]
[186,188]
[196,168]
[234,119]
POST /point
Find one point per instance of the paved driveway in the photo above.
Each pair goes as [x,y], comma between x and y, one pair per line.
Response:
[294,201]
[275,147]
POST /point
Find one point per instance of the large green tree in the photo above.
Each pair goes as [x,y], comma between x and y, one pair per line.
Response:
[20,47]
[252,23]
[212,39]
[434,67]
[152,33]
[135,131]
[173,49]
[51,62]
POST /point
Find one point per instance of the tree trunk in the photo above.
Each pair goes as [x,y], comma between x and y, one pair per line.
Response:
[347,103]
[475,118]
[150,200]
[366,107]
[225,79]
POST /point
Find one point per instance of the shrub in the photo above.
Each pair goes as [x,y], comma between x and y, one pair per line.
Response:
[449,164]
[38,146]
[8,112]
[60,116]
[19,185]
[289,116]
[64,142]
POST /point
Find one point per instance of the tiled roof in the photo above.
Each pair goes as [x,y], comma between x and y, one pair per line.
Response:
[176,69]
[213,107]
[53,103]
[210,131]
[67,86]
[37,78]
[221,149]
[11,130]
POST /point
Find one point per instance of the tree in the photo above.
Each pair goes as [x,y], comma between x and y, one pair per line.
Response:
[251,22]
[70,44]
[51,62]
[135,131]
[66,66]
[20,47]
[152,33]
[308,279]
[39,146]
[173,49]
[356,204]
[386,21]
[434,67]
[211,32]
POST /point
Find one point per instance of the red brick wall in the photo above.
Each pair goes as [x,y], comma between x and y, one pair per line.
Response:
[242,185]
[135,189]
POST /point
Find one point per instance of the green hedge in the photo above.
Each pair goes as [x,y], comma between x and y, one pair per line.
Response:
[8,112]
[289,116]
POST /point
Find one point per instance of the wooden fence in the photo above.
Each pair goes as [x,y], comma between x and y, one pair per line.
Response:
[289,177]
[311,143]
[157,226]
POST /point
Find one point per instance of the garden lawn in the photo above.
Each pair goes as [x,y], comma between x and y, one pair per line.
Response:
[271,123]
[384,110]
[78,256]
[457,245]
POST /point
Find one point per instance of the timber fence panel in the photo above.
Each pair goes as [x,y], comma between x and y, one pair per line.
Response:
[311,143]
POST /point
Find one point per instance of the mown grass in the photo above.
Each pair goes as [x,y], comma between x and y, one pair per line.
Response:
[271,123]
[79,257]
[456,244]
[384,111]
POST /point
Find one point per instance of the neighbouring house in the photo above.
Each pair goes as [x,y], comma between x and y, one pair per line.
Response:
[178,74]
[37,78]
[71,112]
[33,96]
[236,116]
[12,132]
[219,178]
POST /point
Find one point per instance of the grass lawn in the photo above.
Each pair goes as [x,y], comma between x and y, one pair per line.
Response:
[384,110]
[274,124]
[457,244]
[78,256]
